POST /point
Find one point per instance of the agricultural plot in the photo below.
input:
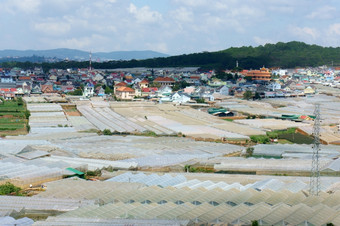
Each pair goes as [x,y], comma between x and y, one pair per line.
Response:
[13,117]
[104,118]
[166,118]
[46,117]
[146,151]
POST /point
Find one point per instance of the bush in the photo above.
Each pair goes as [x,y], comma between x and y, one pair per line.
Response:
[249,152]
[9,188]
[27,114]
[200,101]
[107,132]
[260,139]
[93,173]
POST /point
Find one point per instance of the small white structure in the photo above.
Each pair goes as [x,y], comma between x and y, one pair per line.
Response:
[88,90]
[180,98]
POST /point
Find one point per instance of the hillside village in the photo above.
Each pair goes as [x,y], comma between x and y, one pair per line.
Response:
[178,85]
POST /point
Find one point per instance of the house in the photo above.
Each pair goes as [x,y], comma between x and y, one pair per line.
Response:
[125,93]
[8,93]
[47,88]
[36,89]
[151,91]
[67,88]
[309,90]
[223,90]
[273,86]
[189,89]
[143,84]
[7,79]
[164,91]
[118,85]
[88,90]
[180,98]
[164,81]
[194,79]
[53,77]
[216,82]
[100,91]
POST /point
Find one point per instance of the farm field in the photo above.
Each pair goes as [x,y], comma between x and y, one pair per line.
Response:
[13,117]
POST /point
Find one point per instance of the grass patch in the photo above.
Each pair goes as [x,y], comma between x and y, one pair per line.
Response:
[229,119]
[288,136]
[283,141]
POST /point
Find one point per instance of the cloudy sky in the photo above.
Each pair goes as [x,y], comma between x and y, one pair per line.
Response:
[168,26]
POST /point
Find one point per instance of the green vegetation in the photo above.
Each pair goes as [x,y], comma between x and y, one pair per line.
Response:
[95,173]
[260,139]
[247,95]
[200,101]
[284,136]
[297,138]
[191,169]
[8,188]
[249,152]
[276,133]
[180,85]
[284,55]
[77,92]
[107,132]
[13,117]
[228,119]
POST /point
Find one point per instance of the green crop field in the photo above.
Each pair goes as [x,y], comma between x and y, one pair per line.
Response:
[13,117]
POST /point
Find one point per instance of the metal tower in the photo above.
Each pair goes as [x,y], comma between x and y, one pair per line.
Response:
[314,188]
[90,61]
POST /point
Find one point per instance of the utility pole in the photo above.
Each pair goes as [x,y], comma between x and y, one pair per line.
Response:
[314,188]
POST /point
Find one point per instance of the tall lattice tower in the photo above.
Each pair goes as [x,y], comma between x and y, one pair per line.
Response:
[90,62]
[314,188]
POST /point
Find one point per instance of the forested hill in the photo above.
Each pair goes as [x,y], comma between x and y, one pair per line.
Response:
[284,55]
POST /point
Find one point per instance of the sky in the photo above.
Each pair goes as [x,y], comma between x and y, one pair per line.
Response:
[169,26]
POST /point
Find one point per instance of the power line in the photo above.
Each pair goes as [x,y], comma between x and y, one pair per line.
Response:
[314,188]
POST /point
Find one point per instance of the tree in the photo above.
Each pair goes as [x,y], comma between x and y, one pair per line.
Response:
[108,90]
[77,92]
[257,96]
[200,100]
[247,95]
[9,188]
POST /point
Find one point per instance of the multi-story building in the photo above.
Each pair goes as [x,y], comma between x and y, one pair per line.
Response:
[259,75]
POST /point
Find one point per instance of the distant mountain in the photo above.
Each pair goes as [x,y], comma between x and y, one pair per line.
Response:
[78,55]
[283,55]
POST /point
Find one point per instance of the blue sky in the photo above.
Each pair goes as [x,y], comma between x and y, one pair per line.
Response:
[168,26]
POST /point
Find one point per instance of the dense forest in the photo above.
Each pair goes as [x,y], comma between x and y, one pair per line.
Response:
[284,55]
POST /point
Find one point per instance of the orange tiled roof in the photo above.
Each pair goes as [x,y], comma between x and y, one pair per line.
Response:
[164,79]
[144,81]
[121,84]
[24,78]
[125,89]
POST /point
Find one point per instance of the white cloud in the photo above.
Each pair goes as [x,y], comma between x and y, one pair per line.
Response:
[326,12]
[334,29]
[262,41]
[182,14]
[144,14]
[22,6]
[174,26]
[160,47]
[53,28]
[305,33]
